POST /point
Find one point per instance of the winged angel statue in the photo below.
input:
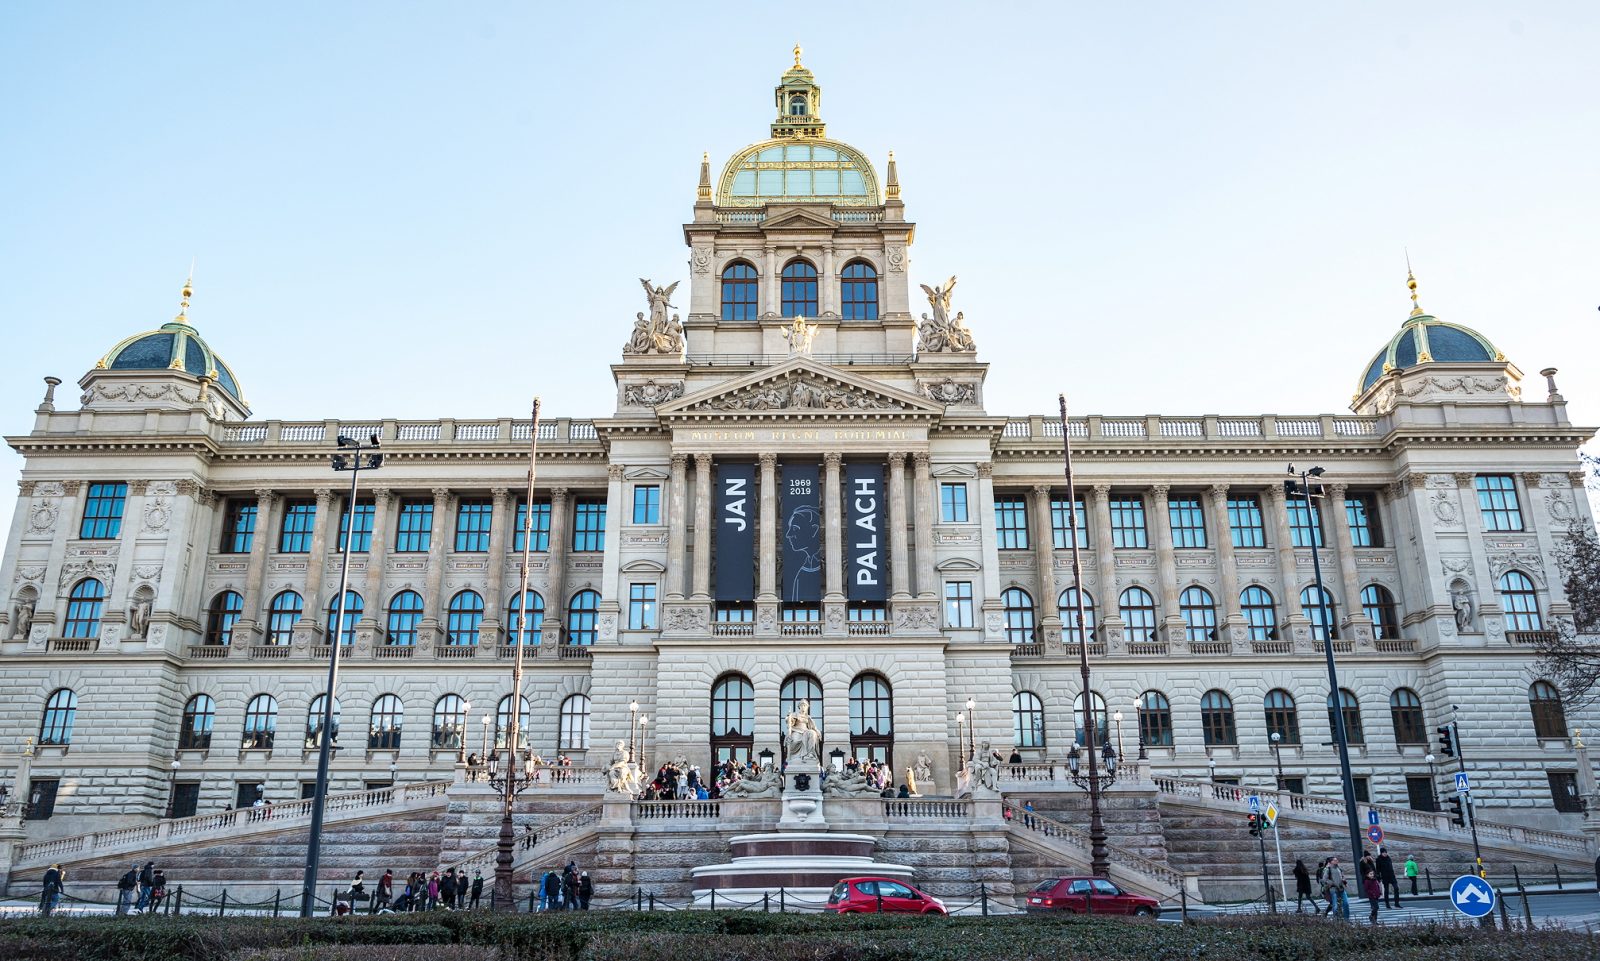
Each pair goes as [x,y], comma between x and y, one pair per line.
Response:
[941,332]
[657,334]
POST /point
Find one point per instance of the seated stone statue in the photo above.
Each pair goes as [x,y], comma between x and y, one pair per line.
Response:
[769,783]
[850,782]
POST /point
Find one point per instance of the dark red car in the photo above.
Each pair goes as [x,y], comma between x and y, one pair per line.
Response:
[871,895]
[1072,896]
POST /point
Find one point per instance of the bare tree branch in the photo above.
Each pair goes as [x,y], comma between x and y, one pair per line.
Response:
[1569,655]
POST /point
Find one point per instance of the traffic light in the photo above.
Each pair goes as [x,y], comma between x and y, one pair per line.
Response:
[1447,741]
[1458,816]
[1254,821]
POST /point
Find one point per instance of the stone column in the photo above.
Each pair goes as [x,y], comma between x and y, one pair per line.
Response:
[502,518]
[926,497]
[1048,616]
[555,603]
[770,304]
[992,622]
[768,550]
[677,523]
[1166,564]
[1288,570]
[899,563]
[377,556]
[611,563]
[316,562]
[702,527]
[828,289]
[833,513]
[1227,569]
[432,603]
[1357,625]
[249,623]
[1105,594]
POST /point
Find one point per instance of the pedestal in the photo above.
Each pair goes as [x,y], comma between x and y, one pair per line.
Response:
[802,801]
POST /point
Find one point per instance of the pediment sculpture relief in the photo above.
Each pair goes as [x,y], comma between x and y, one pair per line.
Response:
[651,393]
[797,393]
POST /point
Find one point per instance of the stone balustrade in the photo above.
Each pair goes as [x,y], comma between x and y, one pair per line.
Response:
[506,430]
[1209,427]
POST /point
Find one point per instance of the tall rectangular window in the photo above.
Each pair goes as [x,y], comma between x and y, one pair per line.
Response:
[958,604]
[647,503]
[364,513]
[1127,522]
[102,512]
[641,607]
[1497,499]
[238,526]
[299,520]
[1245,522]
[1361,513]
[1188,521]
[1061,523]
[540,523]
[474,518]
[953,503]
[1305,528]
[589,524]
[1011,523]
[414,530]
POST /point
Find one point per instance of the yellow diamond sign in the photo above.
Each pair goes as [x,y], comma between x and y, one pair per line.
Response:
[1272,814]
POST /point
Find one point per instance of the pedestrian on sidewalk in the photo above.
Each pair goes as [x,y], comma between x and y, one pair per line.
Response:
[1391,886]
[385,892]
[477,888]
[585,891]
[1302,887]
[126,885]
[1338,897]
[147,881]
[1373,889]
[462,885]
[50,895]
[1411,872]
[158,890]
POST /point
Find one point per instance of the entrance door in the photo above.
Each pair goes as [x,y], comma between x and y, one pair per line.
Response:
[185,799]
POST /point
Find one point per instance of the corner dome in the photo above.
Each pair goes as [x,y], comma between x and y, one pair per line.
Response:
[174,346]
[1425,339]
[798,171]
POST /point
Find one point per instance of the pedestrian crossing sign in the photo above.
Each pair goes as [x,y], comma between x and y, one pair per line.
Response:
[1272,814]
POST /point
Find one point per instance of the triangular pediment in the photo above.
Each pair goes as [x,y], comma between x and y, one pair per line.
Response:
[787,218]
[800,386]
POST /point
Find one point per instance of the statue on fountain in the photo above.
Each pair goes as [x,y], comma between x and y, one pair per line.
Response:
[802,742]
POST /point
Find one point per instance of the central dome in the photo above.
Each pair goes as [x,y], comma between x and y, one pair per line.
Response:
[798,171]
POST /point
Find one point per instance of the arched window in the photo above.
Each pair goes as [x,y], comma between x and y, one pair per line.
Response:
[1101,731]
[1350,709]
[199,713]
[1027,720]
[797,105]
[1549,717]
[449,722]
[405,612]
[224,612]
[55,728]
[1216,719]
[1019,615]
[797,688]
[1320,615]
[733,712]
[858,292]
[872,719]
[1378,604]
[533,631]
[1138,614]
[581,616]
[1067,604]
[466,616]
[1520,602]
[1155,719]
[502,722]
[1199,612]
[353,606]
[575,723]
[282,614]
[799,289]
[1282,718]
[260,722]
[388,716]
[314,721]
[1405,709]
[84,605]
[1256,605]
[741,292]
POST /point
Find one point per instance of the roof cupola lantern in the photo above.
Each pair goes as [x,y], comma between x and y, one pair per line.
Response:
[799,102]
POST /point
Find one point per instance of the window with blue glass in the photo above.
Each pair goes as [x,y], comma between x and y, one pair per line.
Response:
[589,524]
[1188,520]
[282,614]
[299,520]
[1305,527]
[225,611]
[641,607]
[238,526]
[1245,524]
[1497,499]
[532,631]
[405,613]
[1317,606]
[1127,522]
[466,618]
[647,503]
[1378,604]
[958,604]
[858,292]
[1361,514]
[361,517]
[1011,523]
[582,614]
[799,289]
[1259,613]
[1138,609]
[741,292]
[1061,523]
[84,606]
[414,531]
[474,517]
[353,606]
[953,502]
[540,522]
[1199,612]
[102,511]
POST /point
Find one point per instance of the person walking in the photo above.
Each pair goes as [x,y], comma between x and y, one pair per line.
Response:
[1372,888]
[461,889]
[51,892]
[357,891]
[433,891]
[126,885]
[1391,884]
[549,891]
[1411,872]
[158,890]
[585,891]
[569,887]
[477,888]
[1302,887]
[147,881]
[385,892]
[1337,895]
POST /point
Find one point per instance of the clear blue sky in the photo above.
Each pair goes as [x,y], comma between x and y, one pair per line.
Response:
[420,210]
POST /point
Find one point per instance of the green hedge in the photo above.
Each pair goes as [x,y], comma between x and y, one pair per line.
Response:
[725,936]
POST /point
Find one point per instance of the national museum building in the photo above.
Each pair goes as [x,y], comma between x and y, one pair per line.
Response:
[800,494]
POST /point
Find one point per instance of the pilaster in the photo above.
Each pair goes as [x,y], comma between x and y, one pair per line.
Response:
[1166,565]
[677,521]
[702,527]
[899,563]
[926,497]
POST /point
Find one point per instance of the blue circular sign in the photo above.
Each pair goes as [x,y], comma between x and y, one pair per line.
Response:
[1472,895]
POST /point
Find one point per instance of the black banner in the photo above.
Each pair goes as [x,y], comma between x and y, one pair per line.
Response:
[734,518]
[866,541]
[800,526]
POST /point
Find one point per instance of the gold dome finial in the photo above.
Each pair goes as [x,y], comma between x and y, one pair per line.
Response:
[188,291]
[797,54]
[703,191]
[1411,283]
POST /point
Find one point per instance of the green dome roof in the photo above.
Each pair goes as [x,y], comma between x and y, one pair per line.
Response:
[175,346]
[798,171]
[1424,339]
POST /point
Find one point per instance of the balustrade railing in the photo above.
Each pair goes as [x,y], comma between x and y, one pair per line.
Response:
[570,652]
[733,630]
[73,645]
[808,629]
[202,652]
[675,810]
[1395,645]
[1027,650]
[456,651]
[268,652]
[868,629]
[393,651]
[1147,648]
[1072,837]
[1531,638]
[926,808]
[545,833]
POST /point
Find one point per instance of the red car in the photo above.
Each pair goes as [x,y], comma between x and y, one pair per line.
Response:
[1072,896]
[871,895]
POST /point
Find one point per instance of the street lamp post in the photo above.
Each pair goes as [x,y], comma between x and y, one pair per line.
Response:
[466,725]
[1138,710]
[1433,785]
[633,729]
[487,721]
[172,787]
[1099,863]
[972,728]
[1277,756]
[644,727]
[961,739]
[1118,718]
[354,457]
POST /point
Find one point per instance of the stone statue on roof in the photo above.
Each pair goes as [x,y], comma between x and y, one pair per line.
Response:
[940,333]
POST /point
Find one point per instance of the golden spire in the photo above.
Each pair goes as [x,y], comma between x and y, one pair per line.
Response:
[797,54]
[704,192]
[183,302]
[892,185]
[1411,282]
